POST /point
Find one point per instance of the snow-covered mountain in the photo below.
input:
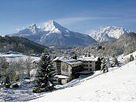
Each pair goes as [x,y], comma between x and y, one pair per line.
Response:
[108,33]
[53,34]
[32,29]
[32,32]
[53,27]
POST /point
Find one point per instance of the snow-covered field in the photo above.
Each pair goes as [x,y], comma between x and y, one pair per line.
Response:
[115,86]
[16,57]
[24,93]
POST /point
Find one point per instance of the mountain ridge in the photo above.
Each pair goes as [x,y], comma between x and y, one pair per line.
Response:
[53,34]
[20,44]
[109,33]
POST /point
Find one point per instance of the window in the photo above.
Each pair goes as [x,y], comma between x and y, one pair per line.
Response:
[65,68]
[90,65]
[86,65]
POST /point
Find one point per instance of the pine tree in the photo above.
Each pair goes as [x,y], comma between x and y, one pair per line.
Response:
[45,74]
[131,58]
[74,56]
[115,62]
[7,82]
[98,64]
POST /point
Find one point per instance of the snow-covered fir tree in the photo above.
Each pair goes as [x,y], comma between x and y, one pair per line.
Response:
[115,61]
[45,74]
[131,58]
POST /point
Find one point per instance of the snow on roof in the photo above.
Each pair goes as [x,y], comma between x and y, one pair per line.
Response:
[68,60]
[36,60]
[72,61]
[88,58]
[62,76]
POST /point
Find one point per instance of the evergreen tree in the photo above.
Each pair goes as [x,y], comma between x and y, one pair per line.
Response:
[45,74]
[104,67]
[74,56]
[98,64]
[115,61]
[131,58]
[7,82]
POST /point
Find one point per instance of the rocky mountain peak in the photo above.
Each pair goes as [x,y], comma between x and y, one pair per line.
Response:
[54,27]
[108,33]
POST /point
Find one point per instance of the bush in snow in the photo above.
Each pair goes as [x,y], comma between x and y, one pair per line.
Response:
[28,67]
[17,69]
[4,73]
[14,85]
[20,69]
[44,80]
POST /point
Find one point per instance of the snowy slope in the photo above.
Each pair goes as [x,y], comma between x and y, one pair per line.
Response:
[116,86]
[128,56]
[108,33]
[125,58]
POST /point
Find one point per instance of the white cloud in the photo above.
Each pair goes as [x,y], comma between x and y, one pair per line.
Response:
[73,20]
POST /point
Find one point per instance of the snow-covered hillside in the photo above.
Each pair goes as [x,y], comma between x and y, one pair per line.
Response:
[108,33]
[118,85]
[125,58]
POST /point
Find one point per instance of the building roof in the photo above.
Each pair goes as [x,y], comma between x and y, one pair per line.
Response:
[92,58]
[62,76]
[68,60]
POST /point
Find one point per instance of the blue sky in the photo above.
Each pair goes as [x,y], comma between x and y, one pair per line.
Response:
[77,15]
